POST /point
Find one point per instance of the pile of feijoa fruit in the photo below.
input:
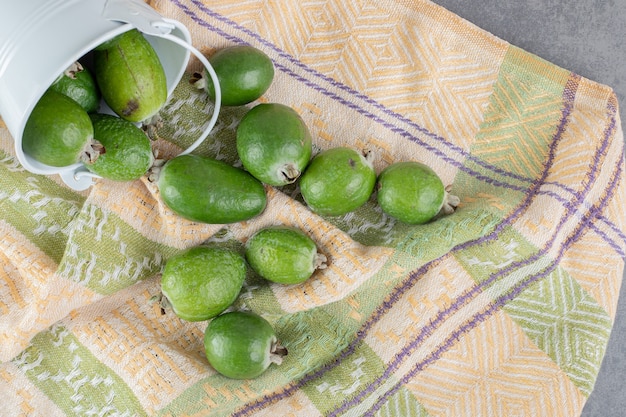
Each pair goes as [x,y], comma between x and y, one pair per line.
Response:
[274,145]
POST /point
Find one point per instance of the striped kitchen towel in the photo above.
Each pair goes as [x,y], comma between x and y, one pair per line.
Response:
[503,308]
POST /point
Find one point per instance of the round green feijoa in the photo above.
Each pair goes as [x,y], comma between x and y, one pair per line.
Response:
[202,282]
[128,153]
[337,181]
[274,143]
[283,254]
[130,76]
[210,191]
[78,84]
[413,193]
[242,345]
[244,73]
[59,133]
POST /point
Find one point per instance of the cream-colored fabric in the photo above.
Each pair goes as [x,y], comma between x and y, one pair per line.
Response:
[503,308]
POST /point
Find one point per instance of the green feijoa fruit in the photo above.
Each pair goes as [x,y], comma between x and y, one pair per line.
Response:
[128,153]
[244,73]
[274,143]
[283,254]
[337,181]
[242,345]
[202,282]
[78,83]
[130,77]
[59,133]
[206,190]
[107,44]
[413,193]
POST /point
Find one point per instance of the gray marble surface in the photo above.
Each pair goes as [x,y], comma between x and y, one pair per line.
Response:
[587,37]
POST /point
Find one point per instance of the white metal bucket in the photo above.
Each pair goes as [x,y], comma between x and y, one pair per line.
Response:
[39,39]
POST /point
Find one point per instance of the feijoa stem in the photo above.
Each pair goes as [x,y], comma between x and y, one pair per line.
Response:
[450,202]
[92,150]
[157,165]
[164,303]
[290,173]
[369,156]
[74,69]
[277,353]
[320,261]
[151,127]
[198,80]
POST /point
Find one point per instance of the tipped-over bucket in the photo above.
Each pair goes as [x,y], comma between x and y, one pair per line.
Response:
[39,39]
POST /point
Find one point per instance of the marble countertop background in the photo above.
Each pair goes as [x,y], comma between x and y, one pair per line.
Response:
[587,37]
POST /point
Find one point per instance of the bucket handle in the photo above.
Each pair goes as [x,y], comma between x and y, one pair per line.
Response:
[82,179]
[216,83]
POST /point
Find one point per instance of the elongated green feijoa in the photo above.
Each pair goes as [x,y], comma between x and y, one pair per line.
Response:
[337,181]
[130,76]
[59,133]
[283,254]
[203,281]
[210,191]
[274,143]
[242,345]
[128,153]
[413,193]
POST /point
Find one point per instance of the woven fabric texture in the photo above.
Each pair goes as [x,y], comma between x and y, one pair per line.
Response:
[503,308]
